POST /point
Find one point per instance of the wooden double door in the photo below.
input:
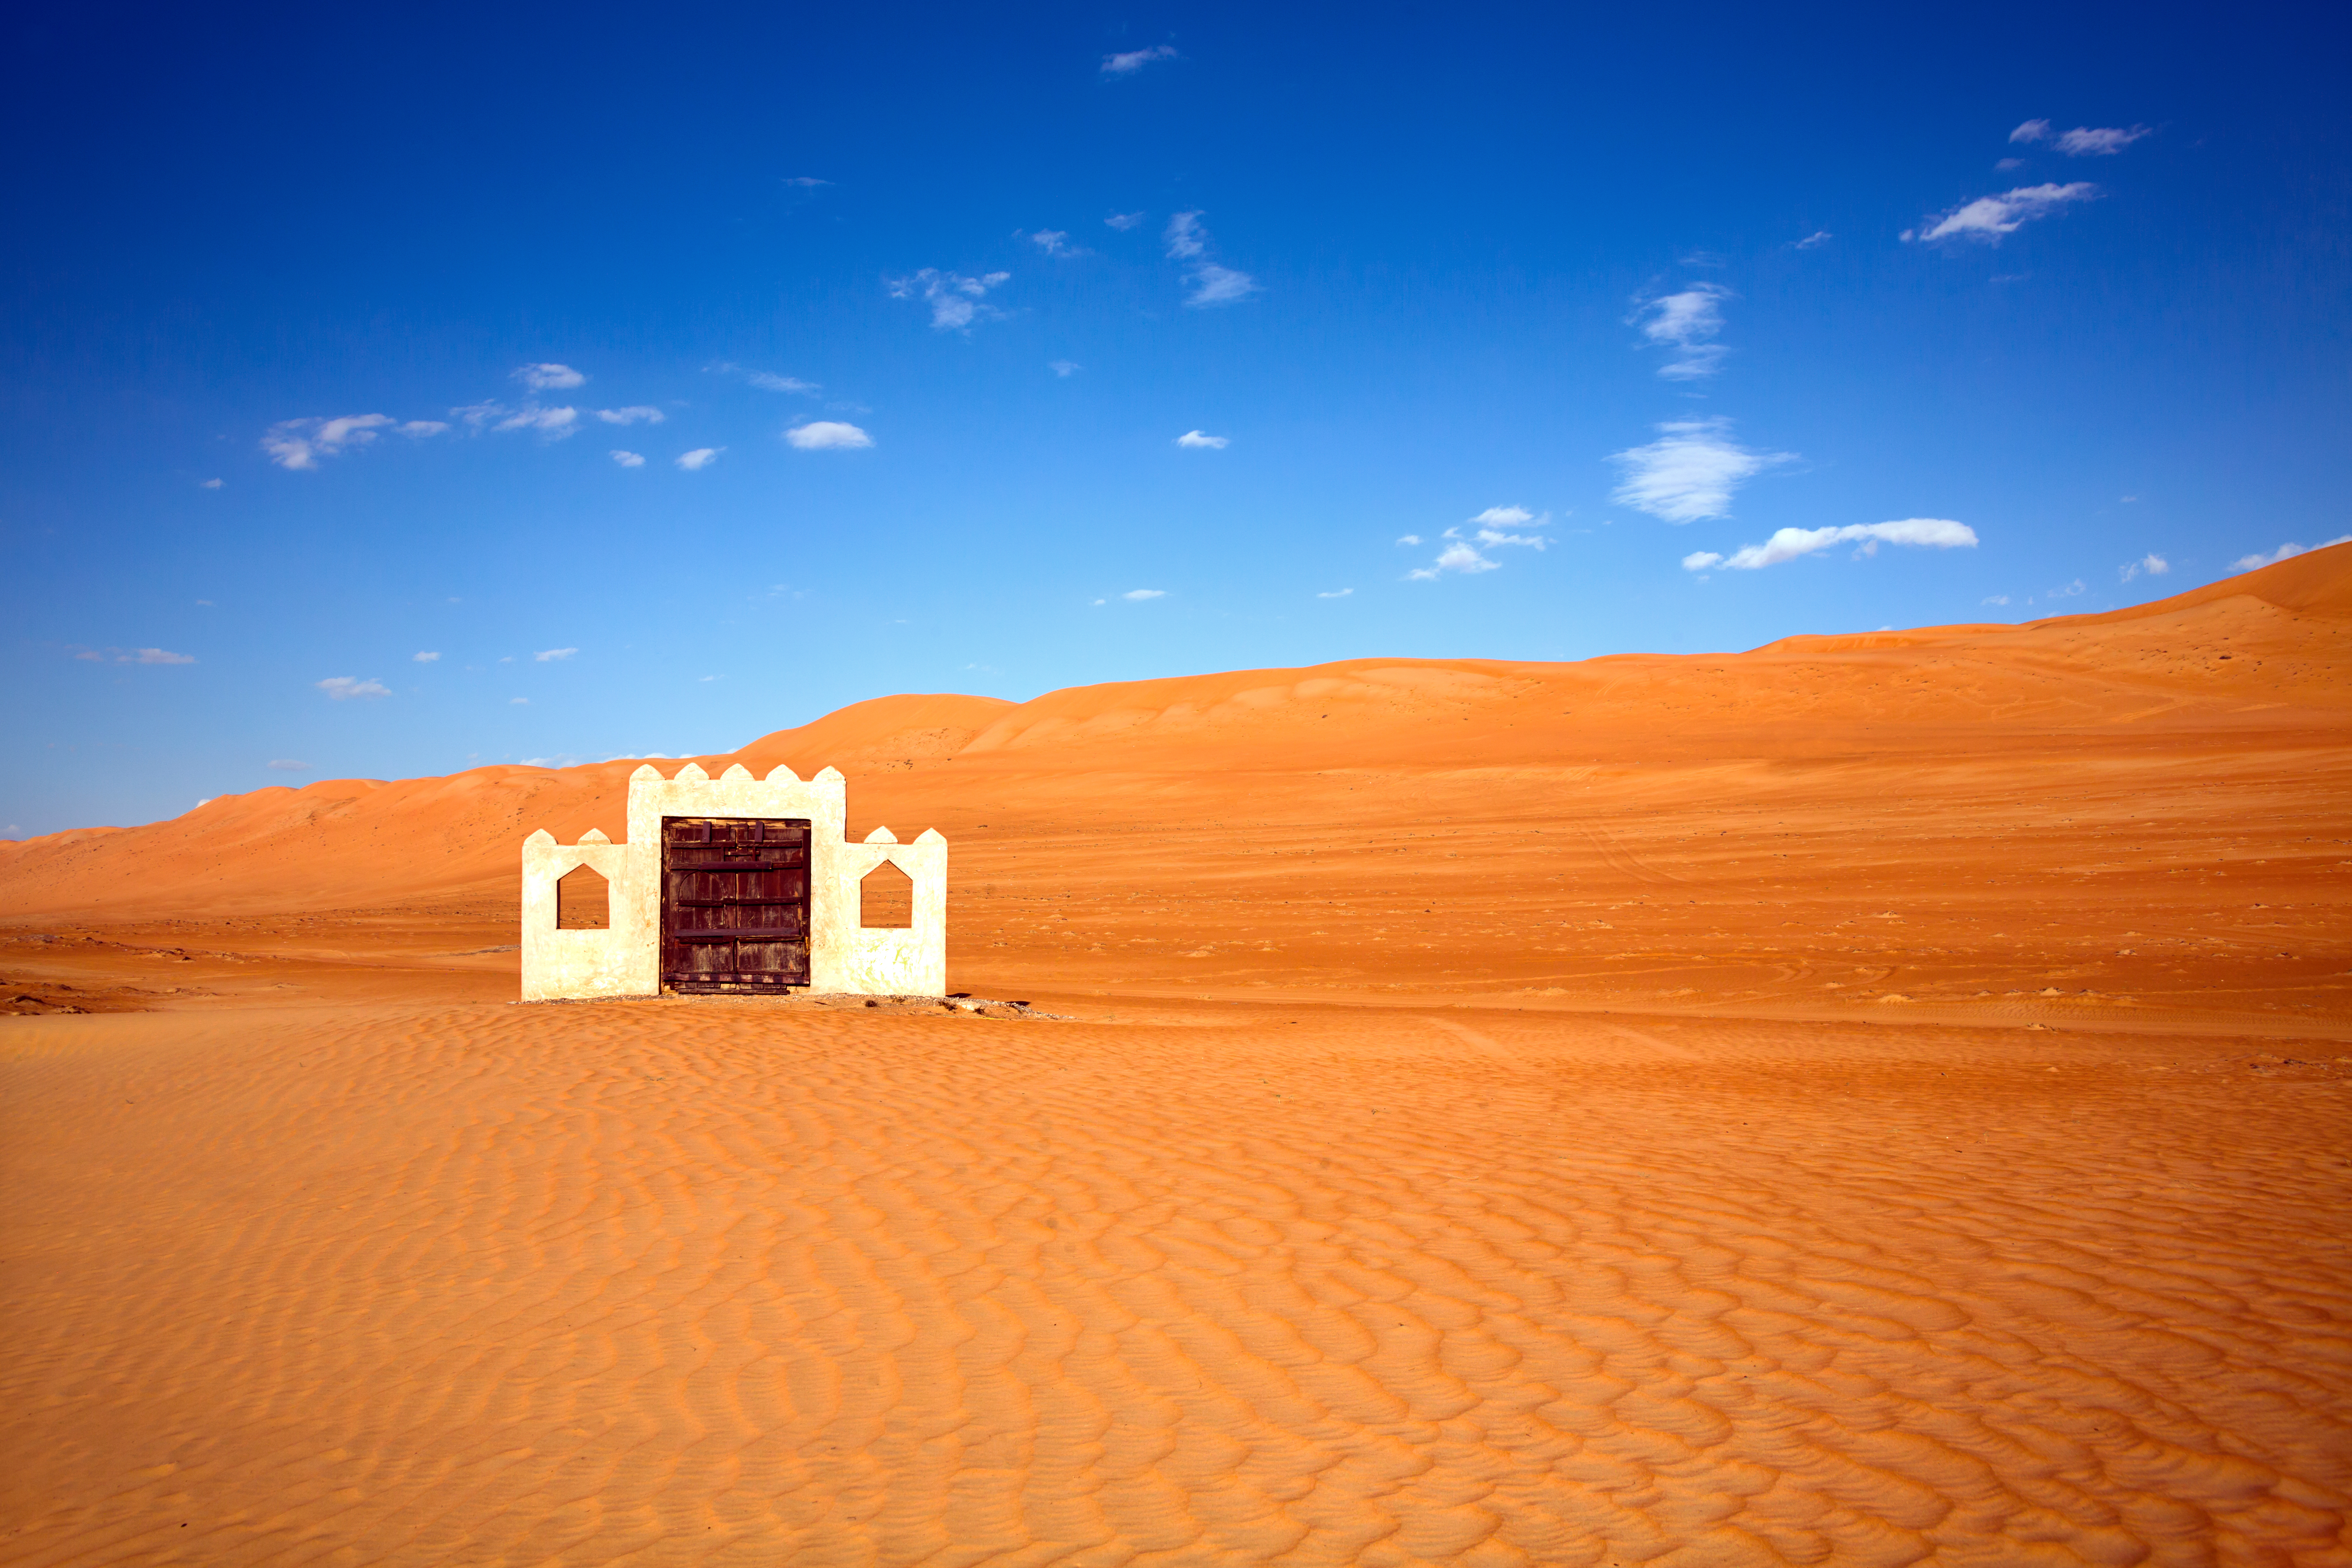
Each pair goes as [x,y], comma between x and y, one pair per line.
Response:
[735,903]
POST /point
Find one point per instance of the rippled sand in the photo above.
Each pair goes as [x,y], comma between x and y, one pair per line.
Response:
[674,1283]
[1882,1099]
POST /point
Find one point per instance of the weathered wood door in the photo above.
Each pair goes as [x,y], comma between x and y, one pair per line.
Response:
[735,903]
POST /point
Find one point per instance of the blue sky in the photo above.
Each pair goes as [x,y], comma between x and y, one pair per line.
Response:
[389,393]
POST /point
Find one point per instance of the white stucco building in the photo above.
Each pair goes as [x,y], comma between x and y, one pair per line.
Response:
[734,885]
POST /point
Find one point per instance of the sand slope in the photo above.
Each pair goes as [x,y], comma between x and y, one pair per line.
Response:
[1875,1099]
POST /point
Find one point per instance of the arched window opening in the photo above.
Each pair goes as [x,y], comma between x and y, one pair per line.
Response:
[885,898]
[584,900]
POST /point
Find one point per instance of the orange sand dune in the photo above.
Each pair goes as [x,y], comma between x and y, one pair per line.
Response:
[1873,1100]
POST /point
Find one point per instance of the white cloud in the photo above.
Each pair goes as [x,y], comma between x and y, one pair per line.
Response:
[1690,471]
[1140,593]
[289,765]
[628,459]
[806,182]
[1052,241]
[343,688]
[2031,131]
[1124,221]
[1063,367]
[299,443]
[1339,593]
[1687,322]
[1491,527]
[633,414]
[1818,237]
[1215,285]
[424,657]
[2006,165]
[1408,539]
[211,484]
[699,458]
[1134,60]
[517,701]
[135,657]
[2091,141]
[1459,556]
[2155,565]
[1997,599]
[2283,552]
[549,656]
[1988,218]
[554,424]
[1789,543]
[1200,440]
[767,381]
[1185,236]
[548,377]
[2068,592]
[1098,600]
[827,436]
[956,300]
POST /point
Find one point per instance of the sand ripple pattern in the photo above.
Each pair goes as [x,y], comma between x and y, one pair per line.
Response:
[491,1285]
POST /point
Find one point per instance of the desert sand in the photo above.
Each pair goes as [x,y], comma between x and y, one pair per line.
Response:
[1869,1099]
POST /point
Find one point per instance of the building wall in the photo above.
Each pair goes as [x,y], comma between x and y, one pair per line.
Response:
[625,960]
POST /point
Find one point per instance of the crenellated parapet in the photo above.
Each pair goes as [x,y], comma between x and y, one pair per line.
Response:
[843,954]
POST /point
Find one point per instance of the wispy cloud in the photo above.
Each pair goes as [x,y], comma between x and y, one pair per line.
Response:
[548,377]
[635,415]
[1064,367]
[2285,553]
[1185,236]
[827,436]
[2153,564]
[1690,471]
[1789,543]
[699,458]
[1996,599]
[289,765]
[344,688]
[2099,142]
[1140,593]
[1124,221]
[554,424]
[1988,218]
[2083,140]
[1462,553]
[956,300]
[1408,539]
[805,182]
[628,459]
[132,655]
[211,484]
[1213,284]
[1052,241]
[1336,593]
[1216,285]
[767,381]
[299,443]
[1687,323]
[1201,440]
[1817,238]
[424,658]
[549,656]
[1134,60]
